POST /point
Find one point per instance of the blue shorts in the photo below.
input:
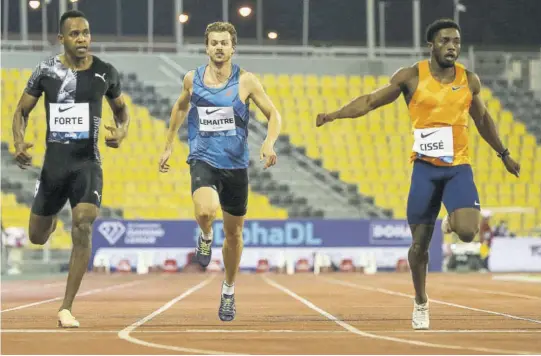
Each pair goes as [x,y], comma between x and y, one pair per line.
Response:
[431,185]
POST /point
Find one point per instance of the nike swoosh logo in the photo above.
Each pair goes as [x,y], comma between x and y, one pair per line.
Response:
[428,134]
[456,88]
[212,112]
[65,109]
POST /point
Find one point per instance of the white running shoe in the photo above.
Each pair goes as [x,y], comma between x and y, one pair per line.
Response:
[66,320]
[420,319]
[446,226]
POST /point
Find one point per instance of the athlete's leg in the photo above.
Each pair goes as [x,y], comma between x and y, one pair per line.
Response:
[424,203]
[41,227]
[83,216]
[234,200]
[233,244]
[206,204]
[461,200]
[205,183]
[85,199]
[49,198]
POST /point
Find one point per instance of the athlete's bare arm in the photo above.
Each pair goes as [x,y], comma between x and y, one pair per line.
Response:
[264,103]
[380,97]
[485,125]
[178,115]
[20,121]
[122,121]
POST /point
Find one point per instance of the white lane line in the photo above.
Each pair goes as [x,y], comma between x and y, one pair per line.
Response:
[124,334]
[277,331]
[435,301]
[89,292]
[354,330]
[32,287]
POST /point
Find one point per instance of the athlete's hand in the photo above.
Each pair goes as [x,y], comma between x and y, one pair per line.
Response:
[511,166]
[164,167]
[116,137]
[23,158]
[267,152]
[322,119]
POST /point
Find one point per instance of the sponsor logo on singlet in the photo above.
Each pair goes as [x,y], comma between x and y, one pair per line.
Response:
[69,121]
[217,120]
[434,142]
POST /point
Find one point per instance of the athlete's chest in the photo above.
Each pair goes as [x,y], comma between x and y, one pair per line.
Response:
[432,95]
[71,86]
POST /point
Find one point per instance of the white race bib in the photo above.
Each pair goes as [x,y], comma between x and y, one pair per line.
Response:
[434,142]
[69,121]
[217,119]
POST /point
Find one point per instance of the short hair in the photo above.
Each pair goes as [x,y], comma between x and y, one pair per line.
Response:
[437,25]
[69,15]
[221,27]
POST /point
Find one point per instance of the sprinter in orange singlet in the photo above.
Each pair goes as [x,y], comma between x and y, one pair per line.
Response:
[441,96]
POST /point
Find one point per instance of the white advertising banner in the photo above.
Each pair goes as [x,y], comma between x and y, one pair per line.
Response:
[521,254]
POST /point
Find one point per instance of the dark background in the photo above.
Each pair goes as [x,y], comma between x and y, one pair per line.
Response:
[514,24]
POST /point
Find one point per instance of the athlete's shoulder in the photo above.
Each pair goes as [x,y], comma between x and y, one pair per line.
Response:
[245,75]
[405,74]
[473,81]
[187,81]
[101,65]
[46,64]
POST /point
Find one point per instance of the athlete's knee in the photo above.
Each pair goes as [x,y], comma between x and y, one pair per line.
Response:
[466,232]
[233,235]
[39,234]
[417,252]
[81,233]
[39,237]
[82,226]
[205,213]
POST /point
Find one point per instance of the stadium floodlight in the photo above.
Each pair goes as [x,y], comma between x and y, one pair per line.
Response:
[183,18]
[245,11]
[34,4]
[272,35]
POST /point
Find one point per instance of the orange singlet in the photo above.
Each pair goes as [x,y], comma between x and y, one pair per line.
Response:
[436,105]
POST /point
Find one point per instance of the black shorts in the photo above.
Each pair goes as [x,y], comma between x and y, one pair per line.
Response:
[80,182]
[231,185]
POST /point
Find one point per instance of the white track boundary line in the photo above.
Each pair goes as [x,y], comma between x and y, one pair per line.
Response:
[31,287]
[488,291]
[354,330]
[124,334]
[519,278]
[276,331]
[390,292]
[89,292]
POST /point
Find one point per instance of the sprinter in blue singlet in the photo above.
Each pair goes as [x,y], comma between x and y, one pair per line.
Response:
[215,97]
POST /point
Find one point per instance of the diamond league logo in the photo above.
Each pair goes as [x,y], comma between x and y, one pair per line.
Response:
[112,231]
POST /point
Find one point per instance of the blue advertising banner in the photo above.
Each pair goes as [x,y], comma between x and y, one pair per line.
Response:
[379,235]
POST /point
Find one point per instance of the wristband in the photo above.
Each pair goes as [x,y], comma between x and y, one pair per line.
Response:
[504,153]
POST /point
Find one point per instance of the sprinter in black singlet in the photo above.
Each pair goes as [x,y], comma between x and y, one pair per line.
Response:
[74,84]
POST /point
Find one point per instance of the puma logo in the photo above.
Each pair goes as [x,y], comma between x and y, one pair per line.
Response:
[99,198]
[102,77]
[428,134]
